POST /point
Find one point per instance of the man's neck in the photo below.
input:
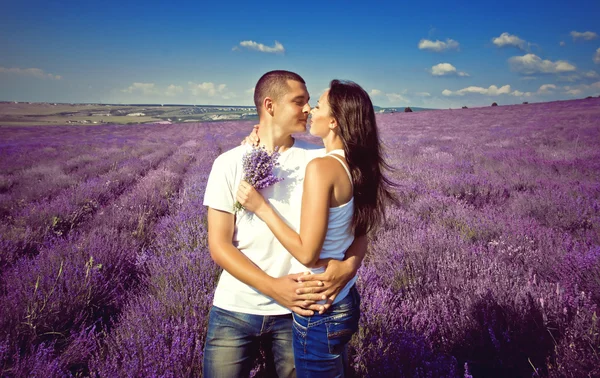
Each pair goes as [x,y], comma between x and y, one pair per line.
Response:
[271,138]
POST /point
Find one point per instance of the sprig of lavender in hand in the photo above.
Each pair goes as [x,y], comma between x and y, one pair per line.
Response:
[258,167]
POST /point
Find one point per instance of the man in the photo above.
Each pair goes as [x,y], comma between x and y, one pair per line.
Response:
[256,291]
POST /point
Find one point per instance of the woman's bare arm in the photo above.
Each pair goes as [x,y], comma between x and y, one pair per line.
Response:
[304,246]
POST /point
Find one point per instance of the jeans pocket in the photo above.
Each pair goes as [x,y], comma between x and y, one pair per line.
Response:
[299,328]
[340,331]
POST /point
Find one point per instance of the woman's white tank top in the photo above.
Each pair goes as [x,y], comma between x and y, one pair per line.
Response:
[339,234]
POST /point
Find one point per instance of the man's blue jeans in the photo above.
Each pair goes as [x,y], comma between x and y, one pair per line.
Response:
[320,340]
[233,339]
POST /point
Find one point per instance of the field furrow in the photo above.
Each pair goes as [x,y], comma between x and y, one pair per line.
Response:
[96,268]
[43,182]
[42,221]
[488,266]
[177,292]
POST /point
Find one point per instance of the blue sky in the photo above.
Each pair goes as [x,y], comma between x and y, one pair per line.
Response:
[433,54]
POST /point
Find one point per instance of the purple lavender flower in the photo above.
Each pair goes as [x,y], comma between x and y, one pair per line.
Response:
[258,167]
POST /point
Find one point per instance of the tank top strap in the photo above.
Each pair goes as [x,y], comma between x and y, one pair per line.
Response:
[340,152]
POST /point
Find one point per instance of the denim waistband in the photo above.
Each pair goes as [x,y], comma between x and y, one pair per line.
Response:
[350,303]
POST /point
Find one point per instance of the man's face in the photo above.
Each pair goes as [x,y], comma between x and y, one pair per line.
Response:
[291,111]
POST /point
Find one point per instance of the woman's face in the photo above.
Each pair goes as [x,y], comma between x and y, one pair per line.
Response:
[321,117]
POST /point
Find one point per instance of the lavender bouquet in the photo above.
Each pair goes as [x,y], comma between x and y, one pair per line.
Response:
[258,167]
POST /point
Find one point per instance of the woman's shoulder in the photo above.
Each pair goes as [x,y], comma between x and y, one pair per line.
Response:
[322,161]
[322,166]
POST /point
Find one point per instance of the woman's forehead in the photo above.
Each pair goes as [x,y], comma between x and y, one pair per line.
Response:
[323,97]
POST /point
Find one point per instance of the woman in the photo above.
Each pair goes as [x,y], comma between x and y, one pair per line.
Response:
[344,196]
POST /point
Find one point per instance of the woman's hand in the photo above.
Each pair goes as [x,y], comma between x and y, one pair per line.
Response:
[253,138]
[250,198]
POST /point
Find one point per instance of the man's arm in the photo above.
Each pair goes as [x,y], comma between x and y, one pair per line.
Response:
[220,235]
[336,276]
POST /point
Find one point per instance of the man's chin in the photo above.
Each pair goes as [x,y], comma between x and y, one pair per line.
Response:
[300,129]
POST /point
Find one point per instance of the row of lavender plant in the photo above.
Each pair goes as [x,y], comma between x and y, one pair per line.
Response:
[44,181]
[38,165]
[161,331]
[41,221]
[491,264]
[36,222]
[83,280]
[27,147]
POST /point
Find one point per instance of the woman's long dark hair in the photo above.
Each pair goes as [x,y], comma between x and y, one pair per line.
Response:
[353,110]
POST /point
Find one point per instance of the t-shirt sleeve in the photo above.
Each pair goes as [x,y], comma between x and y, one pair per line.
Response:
[219,193]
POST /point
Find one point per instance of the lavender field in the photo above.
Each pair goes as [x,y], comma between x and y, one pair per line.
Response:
[489,266]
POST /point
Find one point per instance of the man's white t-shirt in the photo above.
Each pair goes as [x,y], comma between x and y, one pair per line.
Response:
[251,235]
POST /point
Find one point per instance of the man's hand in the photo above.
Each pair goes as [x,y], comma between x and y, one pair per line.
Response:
[285,292]
[222,251]
[252,139]
[336,276]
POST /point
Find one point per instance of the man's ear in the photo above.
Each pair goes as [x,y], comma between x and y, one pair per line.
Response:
[268,105]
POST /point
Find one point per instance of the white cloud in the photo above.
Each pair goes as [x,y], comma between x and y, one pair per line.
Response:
[520,94]
[143,88]
[396,98]
[530,64]
[577,90]
[506,39]
[491,91]
[251,45]
[438,45]
[392,98]
[574,92]
[546,89]
[173,90]
[209,89]
[423,94]
[250,91]
[35,72]
[579,76]
[570,78]
[562,43]
[446,69]
[587,36]
[228,95]
[597,56]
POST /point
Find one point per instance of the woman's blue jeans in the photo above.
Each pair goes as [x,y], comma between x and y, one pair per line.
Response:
[320,340]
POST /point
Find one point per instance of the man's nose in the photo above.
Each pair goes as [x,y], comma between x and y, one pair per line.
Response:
[306,108]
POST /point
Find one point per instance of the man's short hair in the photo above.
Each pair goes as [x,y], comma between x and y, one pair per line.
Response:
[273,84]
